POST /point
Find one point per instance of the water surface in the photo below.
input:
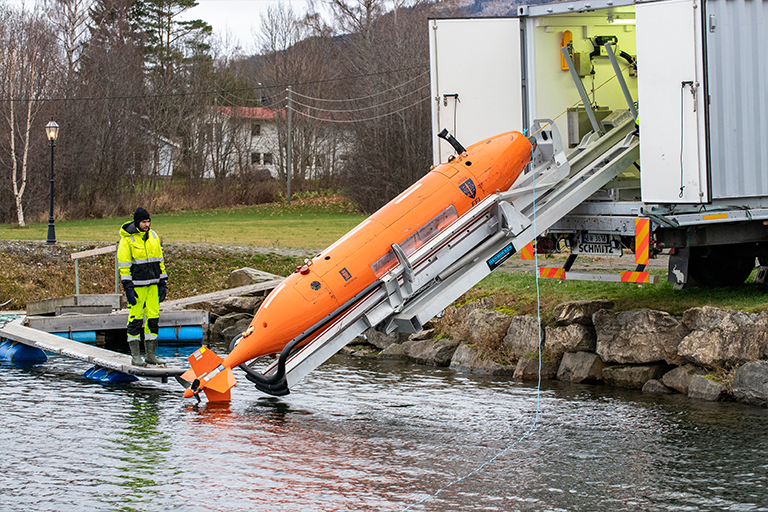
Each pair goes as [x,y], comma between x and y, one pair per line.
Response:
[371,435]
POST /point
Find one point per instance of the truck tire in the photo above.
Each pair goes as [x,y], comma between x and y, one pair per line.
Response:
[718,266]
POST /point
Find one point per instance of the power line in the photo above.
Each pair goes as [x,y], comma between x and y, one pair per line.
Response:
[358,120]
[202,93]
[364,97]
[362,108]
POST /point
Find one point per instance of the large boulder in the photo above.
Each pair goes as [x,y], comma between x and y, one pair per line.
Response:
[639,337]
[466,359]
[486,328]
[528,369]
[579,311]
[707,389]
[229,305]
[522,337]
[246,276]
[655,387]
[571,338]
[453,314]
[428,352]
[228,326]
[581,367]
[722,337]
[632,376]
[680,378]
[381,340]
[428,333]
[750,383]
[453,320]
[359,347]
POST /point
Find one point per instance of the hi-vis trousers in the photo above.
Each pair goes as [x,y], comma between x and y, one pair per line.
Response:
[147,305]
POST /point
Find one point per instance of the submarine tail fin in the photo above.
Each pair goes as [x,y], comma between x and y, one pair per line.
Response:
[210,376]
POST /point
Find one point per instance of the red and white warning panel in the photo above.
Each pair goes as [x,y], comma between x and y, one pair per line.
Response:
[621,277]
[552,273]
[642,240]
[526,253]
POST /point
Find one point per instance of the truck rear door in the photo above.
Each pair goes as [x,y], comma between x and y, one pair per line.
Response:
[673,152]
[476,80]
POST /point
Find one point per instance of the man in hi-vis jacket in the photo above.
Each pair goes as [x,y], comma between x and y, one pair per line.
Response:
[142,273]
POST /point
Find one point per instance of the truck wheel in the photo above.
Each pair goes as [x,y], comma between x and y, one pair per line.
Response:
[718,266]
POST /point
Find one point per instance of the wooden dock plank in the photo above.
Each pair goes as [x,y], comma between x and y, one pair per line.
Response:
[223,294]
[94,252]
[112,321]
[48,306]
[88,353]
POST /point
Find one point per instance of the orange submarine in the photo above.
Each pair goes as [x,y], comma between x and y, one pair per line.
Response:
[319,290]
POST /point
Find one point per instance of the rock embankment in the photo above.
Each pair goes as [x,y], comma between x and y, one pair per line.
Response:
[708,353]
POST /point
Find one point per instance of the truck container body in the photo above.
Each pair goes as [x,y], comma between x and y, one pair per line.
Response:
[693,72]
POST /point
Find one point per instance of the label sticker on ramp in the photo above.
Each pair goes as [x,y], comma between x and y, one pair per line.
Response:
[501,256]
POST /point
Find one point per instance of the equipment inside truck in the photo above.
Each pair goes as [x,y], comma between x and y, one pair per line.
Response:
[691,72]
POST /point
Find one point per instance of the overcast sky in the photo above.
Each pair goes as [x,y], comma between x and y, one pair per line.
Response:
[238,17]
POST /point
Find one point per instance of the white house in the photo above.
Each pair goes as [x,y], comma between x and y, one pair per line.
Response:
[245,139]
[241,139]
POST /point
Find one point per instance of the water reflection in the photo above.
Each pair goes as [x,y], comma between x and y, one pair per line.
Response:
[141,448]
[370,435]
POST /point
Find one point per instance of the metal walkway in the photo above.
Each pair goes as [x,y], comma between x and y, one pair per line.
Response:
[84,352]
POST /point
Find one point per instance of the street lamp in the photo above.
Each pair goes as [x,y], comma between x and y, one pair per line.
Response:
[52,130]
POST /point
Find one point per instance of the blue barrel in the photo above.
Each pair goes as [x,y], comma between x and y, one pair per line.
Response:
[5,346]
[83,336]
[20,353]
[105,376]
[182,333]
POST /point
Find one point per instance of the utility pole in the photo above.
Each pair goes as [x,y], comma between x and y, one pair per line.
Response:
[290,145]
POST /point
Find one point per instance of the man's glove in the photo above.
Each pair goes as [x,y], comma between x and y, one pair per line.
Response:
[162,289]
[130,293]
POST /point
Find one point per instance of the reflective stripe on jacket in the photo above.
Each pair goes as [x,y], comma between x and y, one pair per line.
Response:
[140,256]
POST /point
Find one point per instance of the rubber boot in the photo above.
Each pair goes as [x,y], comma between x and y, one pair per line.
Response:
[149,347]
[136,359]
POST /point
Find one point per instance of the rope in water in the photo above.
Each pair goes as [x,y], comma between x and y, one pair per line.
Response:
[538,385]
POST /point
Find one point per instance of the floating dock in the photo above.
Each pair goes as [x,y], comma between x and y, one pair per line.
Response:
[65,326]
[79,317]
[73,349]
[70,324]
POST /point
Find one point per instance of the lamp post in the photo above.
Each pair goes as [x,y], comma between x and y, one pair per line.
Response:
[52,130]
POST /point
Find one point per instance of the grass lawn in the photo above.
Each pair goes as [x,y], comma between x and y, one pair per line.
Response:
[307,224]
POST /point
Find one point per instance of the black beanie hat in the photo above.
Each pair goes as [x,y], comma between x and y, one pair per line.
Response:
[139,215]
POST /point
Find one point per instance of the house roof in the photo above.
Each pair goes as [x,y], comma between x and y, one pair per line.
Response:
[255,113]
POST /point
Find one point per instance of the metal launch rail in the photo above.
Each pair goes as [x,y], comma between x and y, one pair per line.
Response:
[421,286]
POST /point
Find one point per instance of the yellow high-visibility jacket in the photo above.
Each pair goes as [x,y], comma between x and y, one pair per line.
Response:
[140,256]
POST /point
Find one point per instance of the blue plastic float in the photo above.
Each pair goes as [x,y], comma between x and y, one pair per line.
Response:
[19,353]
[105,376]
[181,333]
[82,336]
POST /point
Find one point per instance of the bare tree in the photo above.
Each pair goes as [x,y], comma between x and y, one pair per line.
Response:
[70,21]
[299,52]
[108,107]
[25,60]
[389,51]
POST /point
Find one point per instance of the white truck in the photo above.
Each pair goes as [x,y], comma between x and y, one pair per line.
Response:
[690,75]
